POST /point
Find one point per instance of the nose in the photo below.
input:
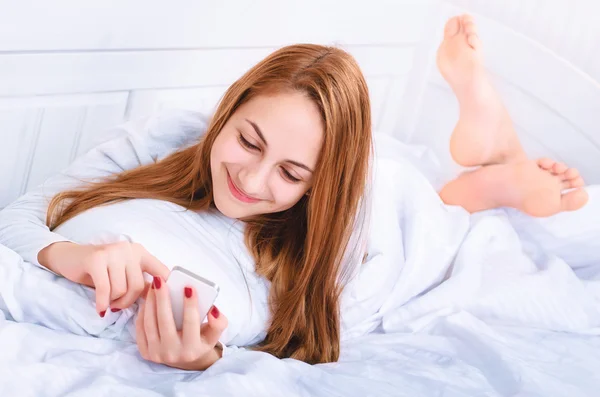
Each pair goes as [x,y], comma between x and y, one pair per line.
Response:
[254,180]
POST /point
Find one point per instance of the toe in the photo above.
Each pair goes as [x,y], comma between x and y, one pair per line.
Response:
[570,179]
[545,163]
[559,168]
[469,26]
[467,18]
[452,27]
[576,182]
[474,42]
[573,200]
[571,173]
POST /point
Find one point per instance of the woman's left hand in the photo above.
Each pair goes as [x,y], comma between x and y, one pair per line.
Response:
[192,348]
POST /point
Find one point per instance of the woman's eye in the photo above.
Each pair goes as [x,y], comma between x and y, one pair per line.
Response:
[289,176]
[247,144]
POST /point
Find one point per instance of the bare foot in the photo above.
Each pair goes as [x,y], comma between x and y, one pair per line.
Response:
[484,133]
[538,188]
[549,187]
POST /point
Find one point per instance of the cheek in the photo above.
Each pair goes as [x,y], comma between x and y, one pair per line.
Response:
[287,194]
[228,150]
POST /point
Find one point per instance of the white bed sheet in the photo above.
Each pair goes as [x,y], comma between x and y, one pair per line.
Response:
[481,305]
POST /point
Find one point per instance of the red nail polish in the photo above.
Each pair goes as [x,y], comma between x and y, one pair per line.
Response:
[156,283]
[102,314]
[115,310]
[188,292]
[215,312]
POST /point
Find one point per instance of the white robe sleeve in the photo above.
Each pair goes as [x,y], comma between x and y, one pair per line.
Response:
[23,223]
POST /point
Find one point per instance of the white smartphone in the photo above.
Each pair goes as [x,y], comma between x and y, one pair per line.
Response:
[205,292]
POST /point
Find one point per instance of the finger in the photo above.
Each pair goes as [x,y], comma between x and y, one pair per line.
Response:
[140,334]
[151,327]
[191,319]
[164,312]
[101,281]
[135,287]
[211,331]
[150,264]
[118,280]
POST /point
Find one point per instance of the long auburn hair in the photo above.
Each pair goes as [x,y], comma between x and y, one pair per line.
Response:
[300,250]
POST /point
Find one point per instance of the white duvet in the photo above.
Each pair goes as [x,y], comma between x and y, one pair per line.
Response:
[495,304]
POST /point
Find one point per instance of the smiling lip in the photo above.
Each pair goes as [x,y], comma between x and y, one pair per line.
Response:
[238,194]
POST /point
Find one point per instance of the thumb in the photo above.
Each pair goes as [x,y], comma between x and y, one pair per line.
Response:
[211,331]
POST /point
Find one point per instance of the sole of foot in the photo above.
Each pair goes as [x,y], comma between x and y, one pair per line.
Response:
[484,133]
[542,188]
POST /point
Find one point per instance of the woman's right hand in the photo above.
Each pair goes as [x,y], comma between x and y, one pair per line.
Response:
[115,270]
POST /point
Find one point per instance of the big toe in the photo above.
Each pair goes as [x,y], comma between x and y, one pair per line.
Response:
[574,200]
[452,27]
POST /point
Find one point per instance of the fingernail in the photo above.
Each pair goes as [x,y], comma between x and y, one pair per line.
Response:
[215,312]
[102,313]
[188,292]
[115,310]
[156,283]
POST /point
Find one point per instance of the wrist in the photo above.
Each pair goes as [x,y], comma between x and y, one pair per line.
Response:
[212,357]
[47,256]
[61,258]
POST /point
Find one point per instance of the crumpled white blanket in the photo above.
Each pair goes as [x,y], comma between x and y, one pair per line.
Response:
[494,304]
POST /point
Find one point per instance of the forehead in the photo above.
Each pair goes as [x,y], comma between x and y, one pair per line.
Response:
[290,122]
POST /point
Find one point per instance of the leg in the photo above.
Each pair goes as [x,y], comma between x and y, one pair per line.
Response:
[484,133]
[484,136]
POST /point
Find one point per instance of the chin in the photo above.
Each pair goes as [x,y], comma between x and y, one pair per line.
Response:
[231,209]
[227,208]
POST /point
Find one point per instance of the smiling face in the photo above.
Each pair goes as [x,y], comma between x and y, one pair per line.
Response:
[264,158]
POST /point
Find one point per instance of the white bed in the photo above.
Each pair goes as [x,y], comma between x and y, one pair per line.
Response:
[520,315]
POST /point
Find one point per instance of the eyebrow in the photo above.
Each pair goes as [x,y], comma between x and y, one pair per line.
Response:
[262,138]
[258,131]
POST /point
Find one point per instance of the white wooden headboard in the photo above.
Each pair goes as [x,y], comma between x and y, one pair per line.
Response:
[72,70]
